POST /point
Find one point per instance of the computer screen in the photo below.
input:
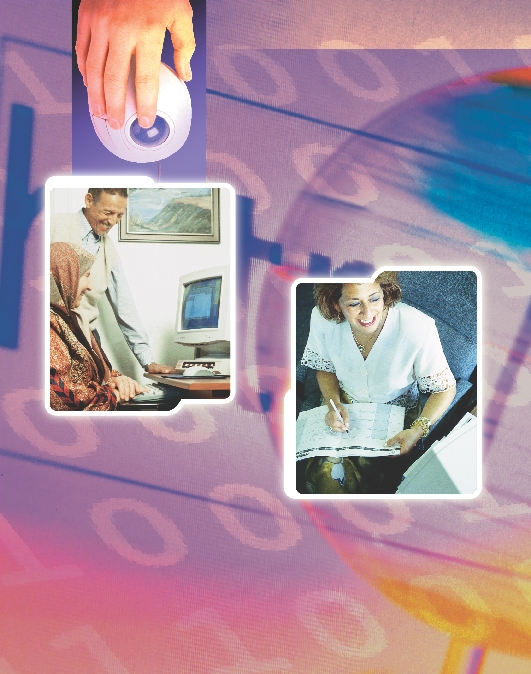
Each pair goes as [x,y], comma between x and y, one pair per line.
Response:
[200,307]
[203,307]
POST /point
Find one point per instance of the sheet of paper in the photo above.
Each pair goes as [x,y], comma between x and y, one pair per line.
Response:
[449,466]
[371,425]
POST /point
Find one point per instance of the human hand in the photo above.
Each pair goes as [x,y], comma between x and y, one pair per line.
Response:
[110,31]
[156,368]
[333,422]
[407,439]
[125,388]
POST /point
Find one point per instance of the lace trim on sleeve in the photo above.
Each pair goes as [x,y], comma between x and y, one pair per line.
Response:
[315,362]
[437,383]
[409,399]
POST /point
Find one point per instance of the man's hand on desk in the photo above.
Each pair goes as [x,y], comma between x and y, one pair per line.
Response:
[156,368]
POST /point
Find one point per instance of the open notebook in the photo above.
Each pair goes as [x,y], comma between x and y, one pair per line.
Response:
[371,425]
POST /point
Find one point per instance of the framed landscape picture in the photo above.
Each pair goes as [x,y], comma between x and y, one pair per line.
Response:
[171,215]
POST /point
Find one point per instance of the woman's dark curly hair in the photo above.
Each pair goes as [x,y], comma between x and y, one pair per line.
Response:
[326,295]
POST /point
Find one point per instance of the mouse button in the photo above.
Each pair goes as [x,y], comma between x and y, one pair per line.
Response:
[154,136]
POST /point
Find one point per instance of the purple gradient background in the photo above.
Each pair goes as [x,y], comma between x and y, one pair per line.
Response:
[153,545]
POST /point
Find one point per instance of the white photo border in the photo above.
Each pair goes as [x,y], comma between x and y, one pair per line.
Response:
[290,397]
[133,181]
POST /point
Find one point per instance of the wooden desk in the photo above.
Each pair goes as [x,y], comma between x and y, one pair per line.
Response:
[196,388]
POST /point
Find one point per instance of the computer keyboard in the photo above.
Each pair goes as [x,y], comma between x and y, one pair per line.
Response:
[155,394]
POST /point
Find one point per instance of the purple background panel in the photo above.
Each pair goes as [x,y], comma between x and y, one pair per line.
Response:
[168,544]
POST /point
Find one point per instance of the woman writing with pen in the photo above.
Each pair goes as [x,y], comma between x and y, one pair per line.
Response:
[367,346]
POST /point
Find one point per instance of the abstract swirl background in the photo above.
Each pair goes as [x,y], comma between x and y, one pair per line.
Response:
[153,545]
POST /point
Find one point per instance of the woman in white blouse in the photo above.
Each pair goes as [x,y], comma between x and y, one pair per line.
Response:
[367,346]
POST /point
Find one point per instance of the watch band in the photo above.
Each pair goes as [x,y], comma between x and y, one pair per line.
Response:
[424,423]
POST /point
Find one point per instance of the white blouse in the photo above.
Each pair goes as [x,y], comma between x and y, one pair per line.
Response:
[407,350]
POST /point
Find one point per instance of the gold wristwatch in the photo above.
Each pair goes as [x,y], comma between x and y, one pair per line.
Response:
[424,423]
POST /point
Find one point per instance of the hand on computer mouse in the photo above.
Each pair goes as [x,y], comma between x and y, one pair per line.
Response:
[108,33]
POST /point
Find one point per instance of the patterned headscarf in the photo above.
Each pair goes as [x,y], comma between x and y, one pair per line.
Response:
[68,263]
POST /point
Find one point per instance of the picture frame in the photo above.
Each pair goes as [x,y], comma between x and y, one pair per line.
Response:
[171,215]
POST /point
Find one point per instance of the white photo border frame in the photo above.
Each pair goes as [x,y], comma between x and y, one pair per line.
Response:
[132,181]
[290,396]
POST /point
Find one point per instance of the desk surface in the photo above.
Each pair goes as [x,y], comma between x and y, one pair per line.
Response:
[190,384]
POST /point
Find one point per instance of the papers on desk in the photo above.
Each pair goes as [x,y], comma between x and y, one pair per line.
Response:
[371,425]
[449,466]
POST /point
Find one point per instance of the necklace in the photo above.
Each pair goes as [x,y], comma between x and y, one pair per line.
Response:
[363,347]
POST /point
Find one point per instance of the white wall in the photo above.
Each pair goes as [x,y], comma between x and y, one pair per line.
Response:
[152,270]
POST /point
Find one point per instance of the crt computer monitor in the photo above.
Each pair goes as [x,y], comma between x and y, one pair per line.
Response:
[203,304]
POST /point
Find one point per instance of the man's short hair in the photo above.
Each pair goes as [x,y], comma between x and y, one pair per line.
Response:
[97,192]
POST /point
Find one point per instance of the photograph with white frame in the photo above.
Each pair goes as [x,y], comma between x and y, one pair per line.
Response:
[150,324]
[395,357]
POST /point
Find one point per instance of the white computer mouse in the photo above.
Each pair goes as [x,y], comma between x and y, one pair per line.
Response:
[167,135]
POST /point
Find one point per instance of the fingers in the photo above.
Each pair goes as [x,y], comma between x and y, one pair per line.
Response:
[107,36]
[94,72]
[334,424]
[123,388]
[115,83]
[339,428]
[406,439]
[138,388]
[182,38]
[134,388]
[155,368]
[344,415]
[396,440]
[82,47]
[126,387]
[148,53]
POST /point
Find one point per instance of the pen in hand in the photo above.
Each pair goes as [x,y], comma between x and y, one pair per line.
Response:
[339,417]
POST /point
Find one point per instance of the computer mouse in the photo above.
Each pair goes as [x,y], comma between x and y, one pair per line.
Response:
[167,135]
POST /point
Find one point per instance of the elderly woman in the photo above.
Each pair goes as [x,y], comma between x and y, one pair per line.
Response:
[367,346]
[81,377]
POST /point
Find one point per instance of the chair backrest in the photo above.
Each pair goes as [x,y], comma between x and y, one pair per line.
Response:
[309,394]
[449,297]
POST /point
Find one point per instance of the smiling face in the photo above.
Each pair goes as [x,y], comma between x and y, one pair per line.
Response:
[362,305]
[84,285]
[104,213]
